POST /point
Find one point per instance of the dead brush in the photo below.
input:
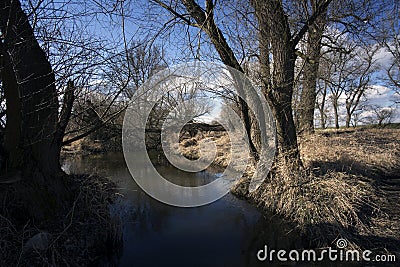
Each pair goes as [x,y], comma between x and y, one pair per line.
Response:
[323,207]
[79,237]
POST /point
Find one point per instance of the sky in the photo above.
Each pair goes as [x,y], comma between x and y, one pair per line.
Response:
[379,94]
[377,97]
[142,22]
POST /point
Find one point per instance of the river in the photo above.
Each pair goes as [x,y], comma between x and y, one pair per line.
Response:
[228,232]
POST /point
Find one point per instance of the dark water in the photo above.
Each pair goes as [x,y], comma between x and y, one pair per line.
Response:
[228,232]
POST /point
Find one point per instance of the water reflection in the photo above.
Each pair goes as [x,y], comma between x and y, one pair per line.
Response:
[228,232]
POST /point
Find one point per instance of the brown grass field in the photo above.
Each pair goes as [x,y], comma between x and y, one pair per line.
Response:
[350,186]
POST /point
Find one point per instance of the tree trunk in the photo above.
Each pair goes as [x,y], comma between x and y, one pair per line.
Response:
[336,113]
[348,117]
[323,120]
[32,114]
[310,74]
[278,85]
[321,108]
[275,37]
[380,121]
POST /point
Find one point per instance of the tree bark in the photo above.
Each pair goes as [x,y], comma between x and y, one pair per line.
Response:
[336,113]
[275,38]
[321,108]
[32,114]
[310,73]
[348,118]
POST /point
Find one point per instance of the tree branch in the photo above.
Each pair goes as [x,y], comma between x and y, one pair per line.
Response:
[95,128]
[66,109]
[176,14]
[320,10]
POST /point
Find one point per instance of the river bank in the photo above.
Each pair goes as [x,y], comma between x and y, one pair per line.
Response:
[350,187]
[227,232]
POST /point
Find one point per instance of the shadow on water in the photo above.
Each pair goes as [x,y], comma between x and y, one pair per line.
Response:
[228,232]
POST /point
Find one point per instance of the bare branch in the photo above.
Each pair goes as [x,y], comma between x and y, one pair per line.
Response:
[320,10]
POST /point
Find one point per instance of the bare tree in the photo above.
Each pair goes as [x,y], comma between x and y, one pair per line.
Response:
[322,90]
[337,69]
[144,59]
[204,19]
[380,115]
[356,19]
[68,33]
[346,74]
[34,125]
[310,72]
[275,39]
[387,33]
[359,75]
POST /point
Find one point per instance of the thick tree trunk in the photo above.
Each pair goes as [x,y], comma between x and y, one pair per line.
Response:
[310,74]
[281,99]
[31,141]
[278,85]
[276,39]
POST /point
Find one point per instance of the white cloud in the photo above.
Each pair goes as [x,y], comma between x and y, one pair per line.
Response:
[379,95]
[205,119]
[383,58]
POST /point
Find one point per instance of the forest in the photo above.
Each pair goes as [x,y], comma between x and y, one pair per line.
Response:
[289,108]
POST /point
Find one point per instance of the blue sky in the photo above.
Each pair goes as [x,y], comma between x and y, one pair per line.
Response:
[144,20]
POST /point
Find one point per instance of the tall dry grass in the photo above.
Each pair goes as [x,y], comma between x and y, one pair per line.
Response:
[349,186]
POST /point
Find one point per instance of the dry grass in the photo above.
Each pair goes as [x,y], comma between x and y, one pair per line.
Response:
[190,148]
[87,145]
[372,153]
[349,187]
[323,207]
[368,162]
